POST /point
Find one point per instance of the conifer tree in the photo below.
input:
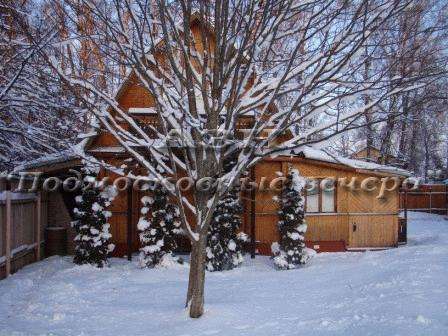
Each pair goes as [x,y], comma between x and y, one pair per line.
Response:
[92,244]
[159,226]
[291,251]
[224,243]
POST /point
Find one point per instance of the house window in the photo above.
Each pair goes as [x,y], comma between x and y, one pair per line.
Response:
[320,198]
[312,197]
[328,201]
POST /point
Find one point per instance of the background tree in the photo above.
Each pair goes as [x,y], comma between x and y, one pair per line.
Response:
[413,45]
[38,116]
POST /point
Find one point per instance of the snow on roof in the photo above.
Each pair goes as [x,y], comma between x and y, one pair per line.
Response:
[73,153]
[320,155]
[107,149]
[66,155]
[361,145]
[87,135]
[142,110]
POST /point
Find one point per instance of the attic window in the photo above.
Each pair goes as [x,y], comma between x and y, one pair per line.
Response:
[142,110]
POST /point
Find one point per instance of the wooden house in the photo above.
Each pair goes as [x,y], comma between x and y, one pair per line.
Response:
[373,154]
[338,220]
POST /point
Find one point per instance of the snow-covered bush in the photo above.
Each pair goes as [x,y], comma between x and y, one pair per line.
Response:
[92,238]
[159,226]
[291,251]
[224,243]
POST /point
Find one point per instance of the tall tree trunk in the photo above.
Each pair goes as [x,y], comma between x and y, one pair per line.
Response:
[404,127]
[195,295]
[368,113]
[386,144]
[426,143]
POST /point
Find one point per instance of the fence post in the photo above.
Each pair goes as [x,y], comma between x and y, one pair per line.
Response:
[8,232]
[252,215]
[406,205]
[39,224]
[446,199]
[430,199]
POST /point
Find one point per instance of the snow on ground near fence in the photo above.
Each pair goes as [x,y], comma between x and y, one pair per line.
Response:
[401,291]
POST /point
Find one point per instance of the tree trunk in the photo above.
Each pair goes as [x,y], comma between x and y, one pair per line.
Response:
[195,295]
[404,127]
[386,144]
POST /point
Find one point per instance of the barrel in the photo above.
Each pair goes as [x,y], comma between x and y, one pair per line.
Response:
[56,241]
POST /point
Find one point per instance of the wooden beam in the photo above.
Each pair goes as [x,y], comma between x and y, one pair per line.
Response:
[129,225]
[405,205]
[334,165]
[430,200]
[38,224]
[8,231]
[446,199]
[56,167]
[252,216]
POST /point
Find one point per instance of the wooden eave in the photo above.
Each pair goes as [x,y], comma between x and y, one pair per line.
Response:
[333,165]
[56,167]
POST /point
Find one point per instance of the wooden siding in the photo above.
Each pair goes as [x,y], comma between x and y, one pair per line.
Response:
[327,228]
[376,219]
[373,231]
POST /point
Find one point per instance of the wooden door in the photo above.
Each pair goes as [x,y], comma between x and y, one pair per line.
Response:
[266,208]
[373,231]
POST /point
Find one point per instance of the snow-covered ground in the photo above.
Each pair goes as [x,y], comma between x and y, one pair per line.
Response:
[401,291]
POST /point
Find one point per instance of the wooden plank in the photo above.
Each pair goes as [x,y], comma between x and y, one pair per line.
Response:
[2,229]
[38,224]
[129,225]
[8,232]
[446,198]
[373,231]
[427,198]
[327,228]
[252,218]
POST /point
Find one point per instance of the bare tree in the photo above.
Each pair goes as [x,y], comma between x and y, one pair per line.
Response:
[414,45]
[35,109]
[208,64]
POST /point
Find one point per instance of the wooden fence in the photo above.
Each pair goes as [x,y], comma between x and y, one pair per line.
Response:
[23,219]
[431,198]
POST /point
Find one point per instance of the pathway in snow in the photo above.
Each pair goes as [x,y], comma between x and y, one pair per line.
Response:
[401,291]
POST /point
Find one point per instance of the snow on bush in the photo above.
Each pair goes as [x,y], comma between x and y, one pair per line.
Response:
[291,252]
[158,227]
[92,240]
[170,261]
[224,243]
